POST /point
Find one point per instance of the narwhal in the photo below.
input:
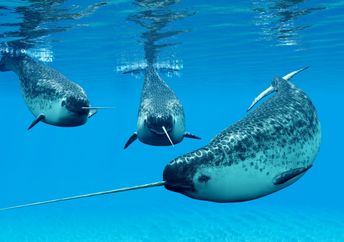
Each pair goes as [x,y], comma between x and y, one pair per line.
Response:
[50,96]
[161,119]
[269,149]
[266,151]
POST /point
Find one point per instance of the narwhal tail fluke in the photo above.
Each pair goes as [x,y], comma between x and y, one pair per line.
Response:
[292,74]
[154,184]
[139,68]
[263,94]
[271,89]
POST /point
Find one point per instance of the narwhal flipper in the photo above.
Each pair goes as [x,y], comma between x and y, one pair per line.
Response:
[93,110]
[191,136]
[36,121]
[91,113]
[131,140]
[288,175]
[270,89]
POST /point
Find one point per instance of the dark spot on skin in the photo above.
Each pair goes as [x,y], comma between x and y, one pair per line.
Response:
[251,164]
[258,138]
[272,122]
[278,128]
[284,156]
[299,123]
[203,178]
[242,157]
[240,147]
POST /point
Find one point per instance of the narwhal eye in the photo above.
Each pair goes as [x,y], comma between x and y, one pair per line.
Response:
[203,178]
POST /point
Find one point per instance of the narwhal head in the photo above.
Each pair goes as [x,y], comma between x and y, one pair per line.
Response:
[161,128]
[184,174]
[76,109]
[155,123]
[200,174]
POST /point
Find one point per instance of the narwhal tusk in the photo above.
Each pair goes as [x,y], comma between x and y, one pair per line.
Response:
[168,136]
[97,107]
[154,184]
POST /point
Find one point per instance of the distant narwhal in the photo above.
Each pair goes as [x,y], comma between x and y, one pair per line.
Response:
[269,149]
[161,119]
[50,96]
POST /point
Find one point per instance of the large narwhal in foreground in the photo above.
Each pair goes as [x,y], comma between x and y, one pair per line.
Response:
[49,95]
[161,119]
[269,149]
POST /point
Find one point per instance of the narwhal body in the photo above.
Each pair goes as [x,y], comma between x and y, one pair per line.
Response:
[49,95]
[161,119]
[269,149]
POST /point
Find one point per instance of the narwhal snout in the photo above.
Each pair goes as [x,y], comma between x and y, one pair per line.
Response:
[178,178]
[77,105]
[156,124]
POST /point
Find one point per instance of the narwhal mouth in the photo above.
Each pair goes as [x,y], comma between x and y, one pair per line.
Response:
[179,187]
[165,132]
[160,131]
[156,123]
[161,125]
[77,105]
[177,178]
[79,111]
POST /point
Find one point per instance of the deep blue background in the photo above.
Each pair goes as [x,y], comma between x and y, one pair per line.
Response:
[226,64]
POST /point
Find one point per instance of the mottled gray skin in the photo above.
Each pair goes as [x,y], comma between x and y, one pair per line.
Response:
[255,156]
[47,92]
[159,107]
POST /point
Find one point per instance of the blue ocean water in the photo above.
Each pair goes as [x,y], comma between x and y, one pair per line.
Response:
[230,51]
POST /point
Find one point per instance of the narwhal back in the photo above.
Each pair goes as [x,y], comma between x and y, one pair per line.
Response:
[157,97]
[267,150]
[286,119]
[38,79]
